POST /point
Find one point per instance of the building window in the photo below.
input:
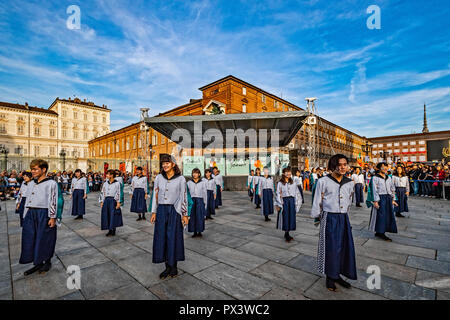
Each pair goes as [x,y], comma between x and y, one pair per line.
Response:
[64,113]
[2,128]
[52,132]
[117,147]
[413,149]
[104,119]
[422,149]
[37,131]
[421,142]
[20,129]
[134,142]
[154,139]
[389,144]
[163,140]
[52,151]
[85,136]
[244,108]
[405,143]
[413,158]
[36,150]
[422,158]
[85,116]
[140,143]
[108,150]
[244,91]
[75,115]
[75,134]
[397,150]
[396,144]
[275,104]
[413,143]
[405,150]
[64,133]
[263,98]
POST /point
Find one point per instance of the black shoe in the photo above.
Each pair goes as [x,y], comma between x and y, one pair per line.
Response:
[358,205]
[33,270]
[330,285]
[258,207]
[206,218]
[289,239]
[194,235]
[143,217]
[113,233]
[78,218]
[267,218]
[343,283]
[199,234]
[139,218]
[165,273]
[383,236]
[173,272]
[45,267]
[109,234]
[399,215]
[211,218]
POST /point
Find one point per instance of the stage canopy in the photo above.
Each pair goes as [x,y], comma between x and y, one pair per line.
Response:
[288,123]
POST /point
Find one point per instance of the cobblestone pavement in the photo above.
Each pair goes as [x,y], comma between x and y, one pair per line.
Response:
[239,257]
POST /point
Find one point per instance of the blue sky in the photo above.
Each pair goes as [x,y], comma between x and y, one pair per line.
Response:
[131,54]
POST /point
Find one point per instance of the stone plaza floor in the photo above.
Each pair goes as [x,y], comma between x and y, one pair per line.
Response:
[239,257]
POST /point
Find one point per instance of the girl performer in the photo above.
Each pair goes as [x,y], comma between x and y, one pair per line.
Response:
[255,184]
[401,183]
[169,214]
[266,190]
[288,201]
[110,204]
[78,194]
[219,186]
[381,198]
[139,187]
[358,179]
[299,182]
[332,199]
[199,195]
[249,184]
[22,197]
[211,195]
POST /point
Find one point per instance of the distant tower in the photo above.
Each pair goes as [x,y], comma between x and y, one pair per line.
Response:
[425,127]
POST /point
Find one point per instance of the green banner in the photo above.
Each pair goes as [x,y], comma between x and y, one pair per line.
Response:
[192,162]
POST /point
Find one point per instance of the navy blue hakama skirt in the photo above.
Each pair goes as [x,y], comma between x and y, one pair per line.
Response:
[38,239]
[218,201]
[336,254]
[359,196]
[267,207]
[168,242]
[21,209]
[111,217]
[402,200]
[138,202]
[383,219]
[210,205]
[78,203]
[197,217]
[288,222]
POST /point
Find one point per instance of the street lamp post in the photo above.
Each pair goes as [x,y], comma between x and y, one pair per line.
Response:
[367,148]
[62,154]
[4,157]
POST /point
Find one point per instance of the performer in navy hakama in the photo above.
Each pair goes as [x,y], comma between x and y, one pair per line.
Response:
[358,179]
[170,210]
[139,187]
[401,183]
[78,194]
[22,196]
[381,198]
[219,186]
[256,187]
[288,201]
[211,195]
[266,191]
[299,182]
[249,184]
[43,209]
[198,193]
[332,200]
[110,204]
[119,178]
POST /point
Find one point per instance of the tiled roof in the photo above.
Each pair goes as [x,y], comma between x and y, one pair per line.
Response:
[27,107]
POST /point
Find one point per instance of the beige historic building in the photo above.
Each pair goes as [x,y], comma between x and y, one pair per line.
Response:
[65,127]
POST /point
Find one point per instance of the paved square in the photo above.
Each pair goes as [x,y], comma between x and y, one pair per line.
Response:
[239,257]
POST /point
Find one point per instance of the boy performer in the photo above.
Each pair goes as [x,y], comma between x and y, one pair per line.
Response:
[358,179]
[332,199]
[139,185]
[43,208]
